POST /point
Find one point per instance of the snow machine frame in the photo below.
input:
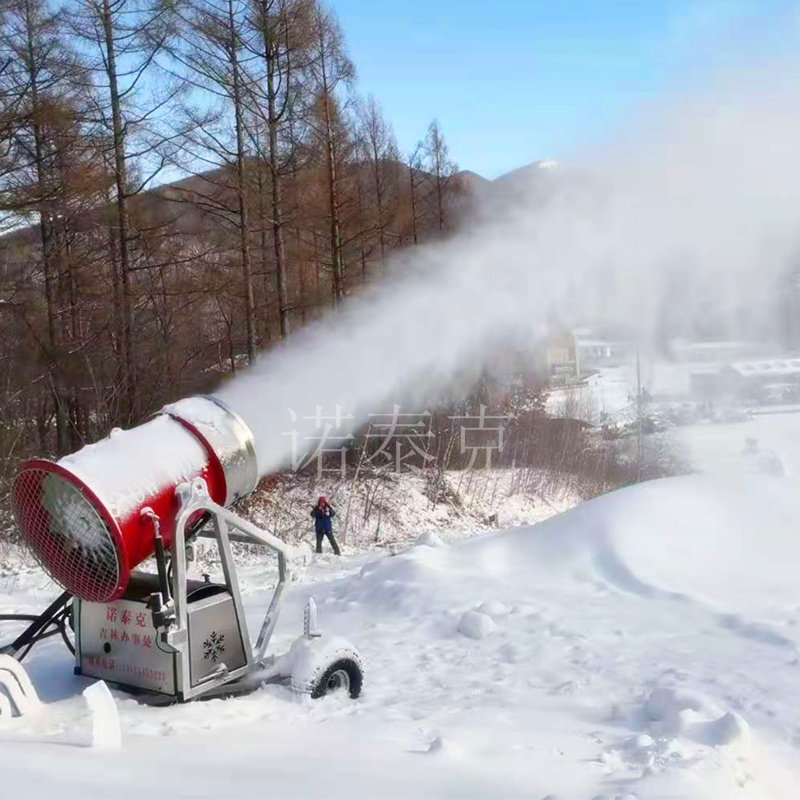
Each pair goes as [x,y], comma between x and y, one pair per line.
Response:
[314,666]
[199,516]
[194,498]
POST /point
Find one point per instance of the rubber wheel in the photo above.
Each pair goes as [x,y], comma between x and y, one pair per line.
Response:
[342,674]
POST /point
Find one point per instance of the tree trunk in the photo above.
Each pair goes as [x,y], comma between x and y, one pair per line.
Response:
[333,189]
[276,181]
[301,276]
[333,196]
[379,196]
[361,233]
[241,186]
[262,225]
[439,198]
[116,296]
[121,181]
[49,251]
[317,271]
[413,202]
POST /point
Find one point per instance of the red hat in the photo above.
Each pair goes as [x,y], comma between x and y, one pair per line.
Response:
[323,501]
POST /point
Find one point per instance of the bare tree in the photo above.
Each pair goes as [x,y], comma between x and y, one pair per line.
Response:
[379,150]
[328,68]
[210,51]
[441,168]
[118,295]
[126,37]
[39,73]
[415,179]
[283,41]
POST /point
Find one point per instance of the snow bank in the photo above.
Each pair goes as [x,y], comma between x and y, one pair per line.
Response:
[475,624]
[671,712]
[659,620]
[730,541]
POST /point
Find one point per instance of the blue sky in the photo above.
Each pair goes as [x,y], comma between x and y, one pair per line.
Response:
[513,81]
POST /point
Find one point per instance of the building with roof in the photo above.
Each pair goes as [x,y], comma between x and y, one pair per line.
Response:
[760,381]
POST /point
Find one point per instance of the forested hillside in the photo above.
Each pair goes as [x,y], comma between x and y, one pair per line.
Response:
[182,185]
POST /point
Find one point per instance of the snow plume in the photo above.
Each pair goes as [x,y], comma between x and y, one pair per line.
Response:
[695,211]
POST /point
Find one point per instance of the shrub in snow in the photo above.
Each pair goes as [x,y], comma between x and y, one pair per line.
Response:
[475,625]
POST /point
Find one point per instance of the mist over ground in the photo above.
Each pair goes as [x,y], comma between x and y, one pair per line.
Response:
[685,223]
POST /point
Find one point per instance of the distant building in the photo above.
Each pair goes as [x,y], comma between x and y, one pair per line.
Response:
[573,356]
[755,382]
[563,366]
[720,352]
[594,354]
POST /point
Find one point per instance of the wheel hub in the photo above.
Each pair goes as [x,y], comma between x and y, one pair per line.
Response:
[338,680]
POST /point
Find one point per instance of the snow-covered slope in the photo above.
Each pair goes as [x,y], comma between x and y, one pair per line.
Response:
[732,543]
[641,645]
[387,510]
[768,442]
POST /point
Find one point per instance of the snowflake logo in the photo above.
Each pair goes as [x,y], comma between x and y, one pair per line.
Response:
[214,646]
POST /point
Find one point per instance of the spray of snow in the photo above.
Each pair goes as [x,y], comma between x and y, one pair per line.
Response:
[703,183]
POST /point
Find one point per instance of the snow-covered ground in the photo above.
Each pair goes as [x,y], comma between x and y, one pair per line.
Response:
[643,645]
[774,445]
[606,396]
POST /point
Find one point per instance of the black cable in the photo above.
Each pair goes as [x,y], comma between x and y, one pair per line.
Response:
[19,617]
[50,622]
[67,641]
[20,654]
[44,633]
[61,623]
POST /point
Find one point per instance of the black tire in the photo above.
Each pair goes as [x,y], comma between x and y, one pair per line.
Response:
[331,679]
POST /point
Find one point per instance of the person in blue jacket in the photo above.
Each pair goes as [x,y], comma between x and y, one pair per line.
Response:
[323,514]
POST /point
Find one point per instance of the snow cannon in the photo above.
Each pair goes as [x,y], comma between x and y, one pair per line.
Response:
[89,518]
[96,519]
